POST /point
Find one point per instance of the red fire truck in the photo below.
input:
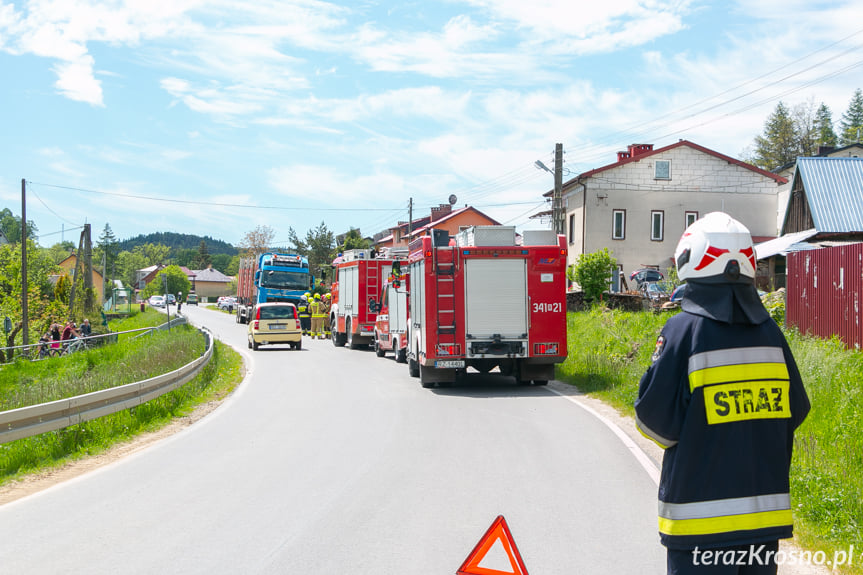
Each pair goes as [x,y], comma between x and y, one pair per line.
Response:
[479,300]
[357,281]
[391,325]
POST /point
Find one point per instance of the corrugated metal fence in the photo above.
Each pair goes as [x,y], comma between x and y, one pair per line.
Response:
[825,292]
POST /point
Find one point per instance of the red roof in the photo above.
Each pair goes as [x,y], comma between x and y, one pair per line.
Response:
[421,231]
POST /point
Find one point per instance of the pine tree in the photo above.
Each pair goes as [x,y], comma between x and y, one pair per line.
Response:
[851,125]
[203,260]
[779,144]
[109,246]
[824,126]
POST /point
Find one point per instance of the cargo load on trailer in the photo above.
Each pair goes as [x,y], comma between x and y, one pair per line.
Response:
[358,277]
[271,277]
[478,300]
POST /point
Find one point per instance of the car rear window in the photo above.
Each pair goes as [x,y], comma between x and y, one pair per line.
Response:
[278,312]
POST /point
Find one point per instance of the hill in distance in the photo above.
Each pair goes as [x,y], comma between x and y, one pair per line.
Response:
[177,241]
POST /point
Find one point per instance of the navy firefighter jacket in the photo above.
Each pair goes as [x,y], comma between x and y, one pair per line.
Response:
[723,400]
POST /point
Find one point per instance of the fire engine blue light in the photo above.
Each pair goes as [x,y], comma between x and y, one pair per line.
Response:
[466,253]
[524,252]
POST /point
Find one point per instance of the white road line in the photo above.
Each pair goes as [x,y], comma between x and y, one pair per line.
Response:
[637,452]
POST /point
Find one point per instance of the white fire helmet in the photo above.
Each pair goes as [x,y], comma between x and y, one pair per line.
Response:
[710,244]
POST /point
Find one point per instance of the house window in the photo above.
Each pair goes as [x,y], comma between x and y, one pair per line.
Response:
[657,227]
[690,218]
[618,225]
[571,228]
[662,170]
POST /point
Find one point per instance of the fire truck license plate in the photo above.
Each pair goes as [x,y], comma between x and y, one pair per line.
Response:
[449,363]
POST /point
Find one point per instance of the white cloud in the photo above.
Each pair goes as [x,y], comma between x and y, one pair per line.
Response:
[329,187]
[223,102]
[596,26]
[76,81]
[175,155]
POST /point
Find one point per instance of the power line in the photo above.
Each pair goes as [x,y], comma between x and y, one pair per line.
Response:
[654,121]
[202,203]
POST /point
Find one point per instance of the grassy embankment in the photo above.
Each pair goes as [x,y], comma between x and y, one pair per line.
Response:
[610,350]
[26,383]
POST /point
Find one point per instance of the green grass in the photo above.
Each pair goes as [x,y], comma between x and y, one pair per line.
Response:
[610,350]
[27,383]
[24,383]
[608,353]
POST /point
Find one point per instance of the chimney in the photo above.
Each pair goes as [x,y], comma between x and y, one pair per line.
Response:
[440,211]
[638,149]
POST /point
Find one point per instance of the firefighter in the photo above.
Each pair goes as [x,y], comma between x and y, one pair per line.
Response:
[317,317]
[722,397]
[326,303]
[304,314]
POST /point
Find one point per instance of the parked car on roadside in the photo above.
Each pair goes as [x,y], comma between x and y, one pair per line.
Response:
[156,301]
[675,298]
[645,275]
[275,323]
[171,299]
[656,292]
[227,303]
[191,299]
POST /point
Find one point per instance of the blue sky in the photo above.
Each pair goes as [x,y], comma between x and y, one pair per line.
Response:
[213,117]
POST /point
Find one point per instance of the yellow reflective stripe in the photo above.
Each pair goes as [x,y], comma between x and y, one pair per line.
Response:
[726,523]
[739,372]
[652,435]
[745,400]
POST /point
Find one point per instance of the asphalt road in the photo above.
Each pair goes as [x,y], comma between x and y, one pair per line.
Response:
[332,461]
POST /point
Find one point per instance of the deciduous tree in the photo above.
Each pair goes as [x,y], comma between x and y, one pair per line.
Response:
[257,241]
[10,224]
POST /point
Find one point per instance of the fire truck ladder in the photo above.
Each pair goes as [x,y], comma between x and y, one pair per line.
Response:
[445,288]
[373,284]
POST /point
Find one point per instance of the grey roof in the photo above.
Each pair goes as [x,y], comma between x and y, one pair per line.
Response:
[834,190]
[210,275]
[782,245]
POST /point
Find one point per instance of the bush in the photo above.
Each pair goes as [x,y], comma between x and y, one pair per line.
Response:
[593,272]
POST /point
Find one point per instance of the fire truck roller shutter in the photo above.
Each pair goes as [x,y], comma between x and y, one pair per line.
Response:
[496,298]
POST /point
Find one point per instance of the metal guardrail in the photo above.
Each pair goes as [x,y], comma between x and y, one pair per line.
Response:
[35,419]
[109,337]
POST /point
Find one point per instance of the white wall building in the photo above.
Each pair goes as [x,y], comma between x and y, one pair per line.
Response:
[639,206]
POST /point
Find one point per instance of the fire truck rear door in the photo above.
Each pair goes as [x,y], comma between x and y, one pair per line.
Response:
[496,298]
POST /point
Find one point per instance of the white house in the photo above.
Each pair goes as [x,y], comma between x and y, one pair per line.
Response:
[639,206]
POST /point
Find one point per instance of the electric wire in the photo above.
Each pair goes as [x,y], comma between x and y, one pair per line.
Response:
[203,203]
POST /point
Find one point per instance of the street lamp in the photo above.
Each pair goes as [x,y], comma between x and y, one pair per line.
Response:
[557,214]
[540,166]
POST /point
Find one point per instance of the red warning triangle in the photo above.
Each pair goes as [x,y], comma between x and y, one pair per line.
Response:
[497,537]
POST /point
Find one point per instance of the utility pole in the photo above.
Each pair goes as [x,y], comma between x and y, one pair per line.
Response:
[410,219]
[558,213]
[25,319]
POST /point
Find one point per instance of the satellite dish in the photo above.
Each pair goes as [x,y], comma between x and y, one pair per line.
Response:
[452,199]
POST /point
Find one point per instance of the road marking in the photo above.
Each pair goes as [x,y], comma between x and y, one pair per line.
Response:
[637,452]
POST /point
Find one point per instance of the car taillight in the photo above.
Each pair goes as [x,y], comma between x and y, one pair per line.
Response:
[545,349]
[298,325]
[255,326]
